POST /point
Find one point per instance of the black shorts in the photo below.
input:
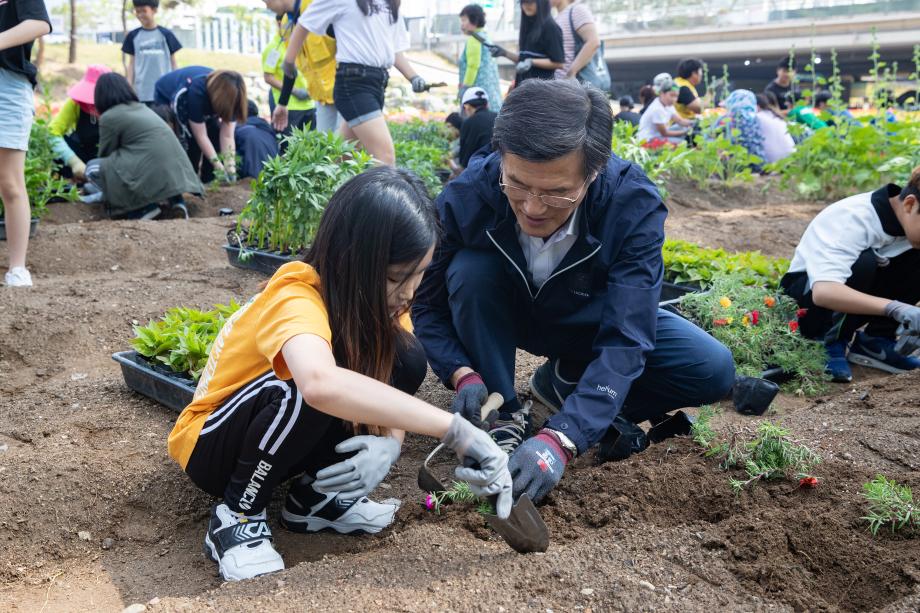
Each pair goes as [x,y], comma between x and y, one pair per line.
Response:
[358,92]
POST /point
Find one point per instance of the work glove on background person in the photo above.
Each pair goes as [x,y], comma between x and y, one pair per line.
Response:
[903,313]
[524,65]
[77,167]
[300,93]
[418,84]
[498,51]
[360,474]
[485,465]
[537,465]
[471,395]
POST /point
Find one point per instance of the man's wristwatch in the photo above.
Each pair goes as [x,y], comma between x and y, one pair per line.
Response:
[564,441]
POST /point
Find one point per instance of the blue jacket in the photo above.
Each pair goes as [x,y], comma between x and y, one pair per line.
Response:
[609,281]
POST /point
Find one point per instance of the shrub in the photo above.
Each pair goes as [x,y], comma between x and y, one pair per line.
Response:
[424,160]
[429,133]
[290,194]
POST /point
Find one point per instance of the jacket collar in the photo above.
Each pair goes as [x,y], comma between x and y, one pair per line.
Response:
[882,205]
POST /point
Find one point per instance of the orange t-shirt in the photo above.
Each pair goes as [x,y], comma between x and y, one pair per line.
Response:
[249,345]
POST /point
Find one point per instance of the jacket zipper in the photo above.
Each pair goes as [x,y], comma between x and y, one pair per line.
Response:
[557,273]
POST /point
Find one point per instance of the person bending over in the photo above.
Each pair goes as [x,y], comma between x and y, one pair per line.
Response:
[312,380]
[858,264]
[476,130]
[552,244]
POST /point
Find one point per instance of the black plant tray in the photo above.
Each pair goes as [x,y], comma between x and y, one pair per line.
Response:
[266,262]
[33,227]
[171,390]
[672,291]
[776,375]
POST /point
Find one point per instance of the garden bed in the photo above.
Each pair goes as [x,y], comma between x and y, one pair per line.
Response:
[168,388]
[33,227]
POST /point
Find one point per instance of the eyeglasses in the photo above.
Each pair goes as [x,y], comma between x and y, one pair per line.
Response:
[557,202]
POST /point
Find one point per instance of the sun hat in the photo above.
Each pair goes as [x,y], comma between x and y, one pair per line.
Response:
[85,89]
[474,93]
[663,82]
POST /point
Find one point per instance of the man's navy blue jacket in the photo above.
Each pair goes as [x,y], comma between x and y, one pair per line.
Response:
[608,282]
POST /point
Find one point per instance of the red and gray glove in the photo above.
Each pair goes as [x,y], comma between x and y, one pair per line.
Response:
[471,395]
[537,465]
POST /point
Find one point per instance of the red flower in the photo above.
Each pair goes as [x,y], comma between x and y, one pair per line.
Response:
[755,317]
[808,482]
[720,322]
[794,326]
[801,313]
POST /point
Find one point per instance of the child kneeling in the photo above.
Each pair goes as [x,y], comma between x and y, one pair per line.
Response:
[325,352]
[858,264]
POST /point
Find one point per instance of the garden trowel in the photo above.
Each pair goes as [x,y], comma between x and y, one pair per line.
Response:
[524,530]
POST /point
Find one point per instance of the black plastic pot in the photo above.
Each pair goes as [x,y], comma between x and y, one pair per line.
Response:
[672,291]
[752,396]
[171,390]
[266,262]
[33,227]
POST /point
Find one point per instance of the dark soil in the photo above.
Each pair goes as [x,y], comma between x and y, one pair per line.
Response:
[79,453]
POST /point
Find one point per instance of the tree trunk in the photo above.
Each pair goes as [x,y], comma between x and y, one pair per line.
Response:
[72,54]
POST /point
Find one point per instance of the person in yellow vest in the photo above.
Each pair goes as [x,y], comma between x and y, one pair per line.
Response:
[315,61]
[301,108]
[689,74]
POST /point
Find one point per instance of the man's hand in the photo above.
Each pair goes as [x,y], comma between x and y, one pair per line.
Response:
[360,474]
[537,466]
[300,93]
[905,314]
[418,84]
[524,65]
[485,465]
[280,118]
[471,395]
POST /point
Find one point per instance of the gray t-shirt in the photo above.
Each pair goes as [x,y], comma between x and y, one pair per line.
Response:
[151,50]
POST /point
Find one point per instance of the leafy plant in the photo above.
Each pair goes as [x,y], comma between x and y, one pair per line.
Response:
[659,164]
[424,160]
[686,262]
[890,504]
[181,340]
[43,183]
[291,192]
[769,452]
[760,329]
[429,133]
[458,492]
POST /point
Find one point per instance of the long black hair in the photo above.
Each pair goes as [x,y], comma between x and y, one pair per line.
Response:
[112,89]
[379,218]
[532,27]
[369,7]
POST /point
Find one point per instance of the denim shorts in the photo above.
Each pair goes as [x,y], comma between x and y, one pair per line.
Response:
[17,107]
[358,92]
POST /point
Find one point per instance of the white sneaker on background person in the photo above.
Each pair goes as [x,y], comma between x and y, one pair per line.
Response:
[18,277]
[306,510]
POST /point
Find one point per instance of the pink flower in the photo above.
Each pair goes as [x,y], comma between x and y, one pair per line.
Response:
[801,313]
[429,502]
[755,317]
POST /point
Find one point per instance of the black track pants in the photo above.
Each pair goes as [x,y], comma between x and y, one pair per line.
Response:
[265,434]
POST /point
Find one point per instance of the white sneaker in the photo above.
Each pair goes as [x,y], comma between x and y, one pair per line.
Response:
[241,544]
[18,277]
[332,512]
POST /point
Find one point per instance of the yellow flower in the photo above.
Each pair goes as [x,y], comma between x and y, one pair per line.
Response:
[746,320]
[729,320]
[725,301]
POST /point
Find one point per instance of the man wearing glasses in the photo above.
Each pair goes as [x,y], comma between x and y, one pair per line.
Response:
[552,244]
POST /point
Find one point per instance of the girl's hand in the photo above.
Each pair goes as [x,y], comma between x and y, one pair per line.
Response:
[485,464]
[280,118]
[360,474]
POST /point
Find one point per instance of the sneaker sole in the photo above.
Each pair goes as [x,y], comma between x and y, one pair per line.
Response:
[550,404]
[864,360]
[307,525]
[211,552]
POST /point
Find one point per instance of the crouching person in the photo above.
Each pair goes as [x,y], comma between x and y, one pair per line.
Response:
[858,264]
[553,245]
[311,381]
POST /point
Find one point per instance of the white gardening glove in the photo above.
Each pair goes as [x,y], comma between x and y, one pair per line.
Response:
[360,474]
[485,465]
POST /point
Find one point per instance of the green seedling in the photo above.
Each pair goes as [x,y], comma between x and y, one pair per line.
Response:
[686,262]
[890,504]
[458,492]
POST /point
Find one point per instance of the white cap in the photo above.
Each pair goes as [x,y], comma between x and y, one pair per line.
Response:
[662,83]
[474,93]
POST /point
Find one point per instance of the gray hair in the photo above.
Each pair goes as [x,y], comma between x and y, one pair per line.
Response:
[541,121]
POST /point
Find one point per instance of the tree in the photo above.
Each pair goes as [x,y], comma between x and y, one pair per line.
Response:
[72,54]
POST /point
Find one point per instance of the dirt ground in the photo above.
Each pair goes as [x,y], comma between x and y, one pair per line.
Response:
[95,516]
